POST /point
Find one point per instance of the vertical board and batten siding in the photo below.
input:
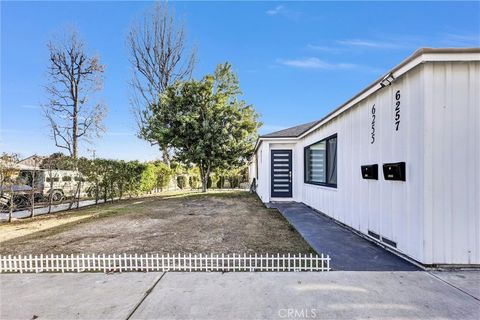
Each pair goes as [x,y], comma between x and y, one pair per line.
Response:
[452,159]
[434,216]
[392,209]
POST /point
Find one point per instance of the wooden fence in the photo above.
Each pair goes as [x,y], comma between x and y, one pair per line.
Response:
[163,263]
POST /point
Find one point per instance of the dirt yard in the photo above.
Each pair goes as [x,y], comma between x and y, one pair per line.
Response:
[228,222]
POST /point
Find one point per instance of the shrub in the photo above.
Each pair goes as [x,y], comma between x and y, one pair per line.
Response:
[234,181]
[221,182]
[209,182]
[194,182]
[148,179]
[182,182]
[164,175]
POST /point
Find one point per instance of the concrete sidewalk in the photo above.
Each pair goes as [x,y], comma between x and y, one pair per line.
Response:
[332,295]
[21,214]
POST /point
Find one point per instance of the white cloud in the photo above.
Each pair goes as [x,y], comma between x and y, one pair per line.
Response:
[349,45]
[369,44]
[331,49]
[275,11]
[315,63]
[285,12]
[458,39]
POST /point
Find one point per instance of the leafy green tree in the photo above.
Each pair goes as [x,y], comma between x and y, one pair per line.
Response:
[205,121]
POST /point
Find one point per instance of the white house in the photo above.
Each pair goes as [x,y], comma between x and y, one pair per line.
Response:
[399,162]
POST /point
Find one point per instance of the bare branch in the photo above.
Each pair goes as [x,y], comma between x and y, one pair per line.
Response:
[159,58]
[73,77]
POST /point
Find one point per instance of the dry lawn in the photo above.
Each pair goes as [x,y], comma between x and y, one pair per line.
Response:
[227,222]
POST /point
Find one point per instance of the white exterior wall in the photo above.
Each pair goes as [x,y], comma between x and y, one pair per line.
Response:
[434,216]
[263,183]
[392,209]
[451,161]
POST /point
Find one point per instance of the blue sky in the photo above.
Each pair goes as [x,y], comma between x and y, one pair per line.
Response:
[296,60]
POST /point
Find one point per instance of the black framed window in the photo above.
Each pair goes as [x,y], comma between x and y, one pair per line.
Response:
[321,162]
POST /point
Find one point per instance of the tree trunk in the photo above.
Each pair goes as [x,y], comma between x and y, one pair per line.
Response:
[165,155]
[33,192]
[11,205]
[111,191]
[75,122]
[77,191]
[32,210]
[50,194]
[96,192]
[204,174]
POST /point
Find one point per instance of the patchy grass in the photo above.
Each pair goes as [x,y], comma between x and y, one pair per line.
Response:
[216,222]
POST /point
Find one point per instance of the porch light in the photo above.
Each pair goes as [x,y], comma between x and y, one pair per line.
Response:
[387,80]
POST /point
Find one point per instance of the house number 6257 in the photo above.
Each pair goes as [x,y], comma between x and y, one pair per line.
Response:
[397,110]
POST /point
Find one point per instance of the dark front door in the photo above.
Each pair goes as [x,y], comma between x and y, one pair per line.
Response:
[281,173]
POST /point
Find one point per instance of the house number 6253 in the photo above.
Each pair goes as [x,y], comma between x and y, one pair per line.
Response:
[373,125]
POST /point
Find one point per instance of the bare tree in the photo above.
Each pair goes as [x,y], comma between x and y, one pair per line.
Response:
[159,57]
[74,78]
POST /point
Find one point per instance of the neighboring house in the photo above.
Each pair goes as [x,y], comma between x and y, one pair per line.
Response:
[398,162]
[32,162]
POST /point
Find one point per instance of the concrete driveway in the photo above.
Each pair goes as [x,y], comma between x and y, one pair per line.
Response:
[333,295]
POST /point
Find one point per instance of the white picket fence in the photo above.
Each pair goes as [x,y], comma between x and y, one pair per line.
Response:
[155,262]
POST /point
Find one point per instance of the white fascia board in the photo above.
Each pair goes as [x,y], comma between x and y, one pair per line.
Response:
[275,140]
[471,56]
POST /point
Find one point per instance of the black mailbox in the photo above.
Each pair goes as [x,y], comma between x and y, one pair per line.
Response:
[370,171]
[394,171]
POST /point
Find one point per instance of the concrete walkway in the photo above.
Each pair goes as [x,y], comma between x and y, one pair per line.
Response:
[21,214]
[347,250]
[331,295]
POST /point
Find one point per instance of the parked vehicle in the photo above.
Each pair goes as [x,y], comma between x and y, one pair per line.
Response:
[59,184]
[21,195]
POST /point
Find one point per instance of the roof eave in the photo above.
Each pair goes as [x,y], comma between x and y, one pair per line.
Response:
[420,56]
